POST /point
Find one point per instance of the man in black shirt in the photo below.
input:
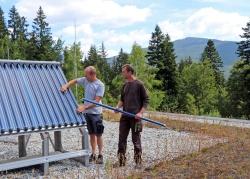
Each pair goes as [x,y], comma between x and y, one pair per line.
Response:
[134,99]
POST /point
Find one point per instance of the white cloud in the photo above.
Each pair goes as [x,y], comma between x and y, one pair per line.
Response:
[112,52]
[88,14]
[207,22]
[86,11]
[84,34]
[86,42]
[113,40]
[116,40]
[81,29]
[174,29]
[139,36]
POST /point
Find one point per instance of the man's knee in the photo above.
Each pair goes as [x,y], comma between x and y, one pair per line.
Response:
[99,137]
[136,137]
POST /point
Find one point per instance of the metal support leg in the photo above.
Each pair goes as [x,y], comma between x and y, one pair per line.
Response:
[45,152]
[58,141]
[85,144]
[22,146]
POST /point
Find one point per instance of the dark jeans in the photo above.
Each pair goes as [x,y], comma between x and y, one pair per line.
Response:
[127,123]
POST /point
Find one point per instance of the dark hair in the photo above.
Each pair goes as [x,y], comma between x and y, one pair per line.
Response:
[129,68]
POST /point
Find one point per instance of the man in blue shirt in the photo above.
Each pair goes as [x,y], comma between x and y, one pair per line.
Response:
[93,90]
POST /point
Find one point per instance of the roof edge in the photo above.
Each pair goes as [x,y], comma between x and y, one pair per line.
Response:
[29,62]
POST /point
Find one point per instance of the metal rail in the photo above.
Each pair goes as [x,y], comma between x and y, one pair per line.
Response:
[202,119]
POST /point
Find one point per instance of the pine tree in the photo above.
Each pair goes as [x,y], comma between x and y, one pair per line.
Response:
[168,75]
[183,63]
[17,24]
[97,58]
[238,87]
[92,57]
[103,66]
[161,55]
[244,46]
[239,80]
[19,33]
[32,47]
[23,28]
[21,43]
[198,89]
[119,61]
[4,47]
[115,76]
[58,49]
[102,52]
[4,39]
[3,28]
[210,53]
[154,53]
[14,22]
[167,68]
[42,38]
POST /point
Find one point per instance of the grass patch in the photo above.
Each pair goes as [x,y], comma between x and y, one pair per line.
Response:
[224,160]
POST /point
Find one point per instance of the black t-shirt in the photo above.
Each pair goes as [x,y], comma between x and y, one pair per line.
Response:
[134,96]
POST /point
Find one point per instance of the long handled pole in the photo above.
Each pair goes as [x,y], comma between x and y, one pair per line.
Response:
[124,112]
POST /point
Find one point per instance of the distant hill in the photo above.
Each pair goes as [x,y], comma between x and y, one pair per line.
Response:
[193,47]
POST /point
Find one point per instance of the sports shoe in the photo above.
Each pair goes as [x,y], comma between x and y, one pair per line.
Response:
[121,161]
[92,158]
[118,164]
[138,161]
[99,159]
[138,166]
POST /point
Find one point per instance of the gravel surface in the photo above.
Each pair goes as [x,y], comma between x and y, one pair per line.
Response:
[158,145]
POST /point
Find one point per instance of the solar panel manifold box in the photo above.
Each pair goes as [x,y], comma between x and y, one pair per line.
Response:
[31,102]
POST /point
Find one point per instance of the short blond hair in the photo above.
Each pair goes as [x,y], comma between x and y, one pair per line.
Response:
[91,69]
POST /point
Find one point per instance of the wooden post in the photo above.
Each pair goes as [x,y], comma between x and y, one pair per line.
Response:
[45,152]
[22,146]
[58,141]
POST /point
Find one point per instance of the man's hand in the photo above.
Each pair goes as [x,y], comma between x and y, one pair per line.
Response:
[64,88]
[117,107]
[138,116]
[81,108]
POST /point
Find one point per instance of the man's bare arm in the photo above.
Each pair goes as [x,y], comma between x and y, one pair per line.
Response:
[66,86]
[97,99]
[119,105]
[84,107]
[142,110]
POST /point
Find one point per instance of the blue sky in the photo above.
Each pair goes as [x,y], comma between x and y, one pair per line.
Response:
[120,23]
